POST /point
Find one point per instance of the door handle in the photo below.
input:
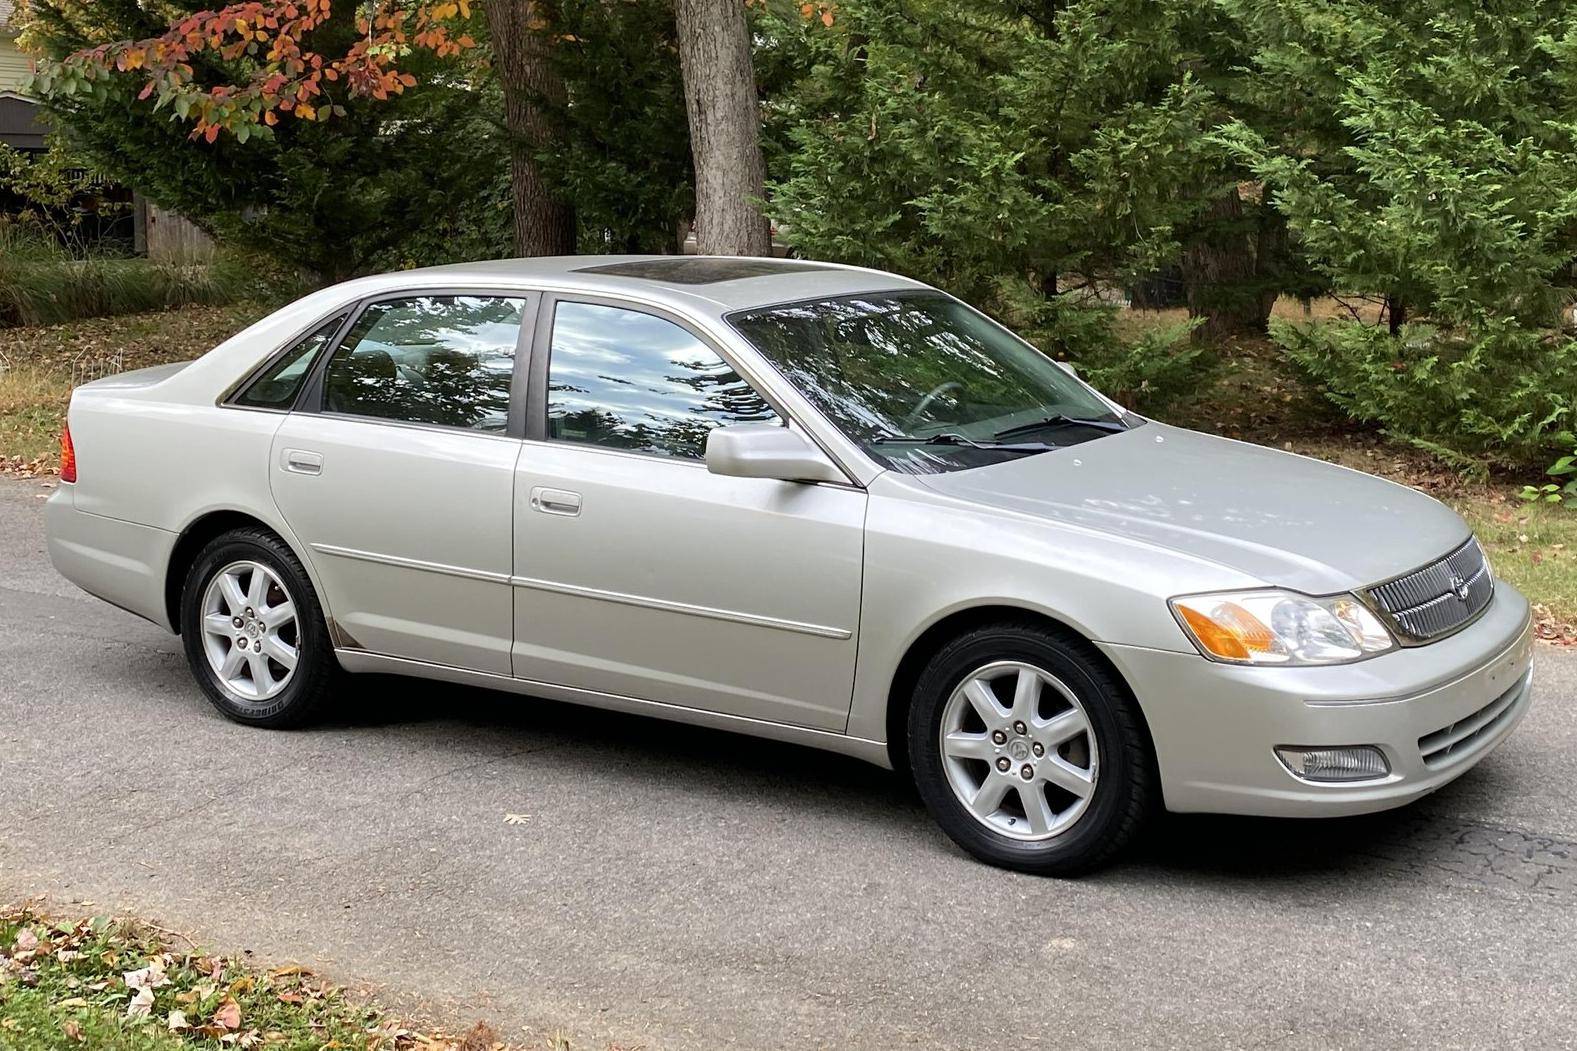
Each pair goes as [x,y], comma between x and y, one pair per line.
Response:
[555,501]
[300,461]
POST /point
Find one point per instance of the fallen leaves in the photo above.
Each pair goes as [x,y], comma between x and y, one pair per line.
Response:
[228,1016]
[128,973]
[141,1005]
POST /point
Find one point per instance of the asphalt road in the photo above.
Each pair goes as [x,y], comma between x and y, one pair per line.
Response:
[689,889]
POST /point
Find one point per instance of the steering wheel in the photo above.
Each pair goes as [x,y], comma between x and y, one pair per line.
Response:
[925,403]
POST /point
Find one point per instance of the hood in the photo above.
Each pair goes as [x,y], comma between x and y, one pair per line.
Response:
[1286,520]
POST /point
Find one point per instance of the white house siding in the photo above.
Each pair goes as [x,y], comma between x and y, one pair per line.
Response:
[15,67]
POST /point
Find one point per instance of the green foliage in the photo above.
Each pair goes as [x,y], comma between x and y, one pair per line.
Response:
[42,283]
[48,190]
[1555,492]
[408,180]
[959,143]
[623,153]
[1501,395]
[1426,154]
[1148,373]
[1424,151]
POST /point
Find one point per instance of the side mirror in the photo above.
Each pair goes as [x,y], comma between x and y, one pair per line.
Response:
[1069,367]
[765,450]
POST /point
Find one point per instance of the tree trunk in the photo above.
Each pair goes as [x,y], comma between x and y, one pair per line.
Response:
[543,225]
[1395,313]
[725,128]
[1224,267]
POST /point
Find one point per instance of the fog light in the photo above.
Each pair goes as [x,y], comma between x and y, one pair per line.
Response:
[1359,762]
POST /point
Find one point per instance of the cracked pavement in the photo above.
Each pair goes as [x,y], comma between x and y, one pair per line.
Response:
[681,888]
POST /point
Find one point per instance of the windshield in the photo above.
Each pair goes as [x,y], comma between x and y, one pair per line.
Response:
[925,383]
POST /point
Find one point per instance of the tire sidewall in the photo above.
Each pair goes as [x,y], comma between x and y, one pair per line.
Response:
[313,647]
[1091,837]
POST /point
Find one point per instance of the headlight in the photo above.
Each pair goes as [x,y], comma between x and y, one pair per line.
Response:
[1281,627]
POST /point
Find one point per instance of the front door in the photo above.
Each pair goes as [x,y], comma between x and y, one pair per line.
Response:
[639,573]
[399,478]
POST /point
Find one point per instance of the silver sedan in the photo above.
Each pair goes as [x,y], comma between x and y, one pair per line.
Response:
[808,502]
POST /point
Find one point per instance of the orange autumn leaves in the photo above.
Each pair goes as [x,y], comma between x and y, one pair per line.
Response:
[285,77]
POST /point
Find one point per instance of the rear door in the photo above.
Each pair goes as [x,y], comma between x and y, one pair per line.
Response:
[639,573]
[397,472]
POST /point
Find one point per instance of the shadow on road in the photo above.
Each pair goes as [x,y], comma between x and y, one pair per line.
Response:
[393,701]
[1427,842]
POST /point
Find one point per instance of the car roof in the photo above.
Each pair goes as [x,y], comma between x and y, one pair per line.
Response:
[710,284]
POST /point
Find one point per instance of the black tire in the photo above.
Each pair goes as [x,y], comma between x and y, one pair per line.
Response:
[1124,785]
[316,671]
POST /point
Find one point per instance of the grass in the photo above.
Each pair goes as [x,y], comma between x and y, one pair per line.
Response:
[41,283]
[116,983]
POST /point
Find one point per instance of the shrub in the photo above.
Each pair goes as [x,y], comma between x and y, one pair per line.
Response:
[1562,490]
[1498,395]
[41,283]
[1158,369]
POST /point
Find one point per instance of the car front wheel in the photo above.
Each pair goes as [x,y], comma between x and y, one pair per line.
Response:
[1028,751]
[254,632]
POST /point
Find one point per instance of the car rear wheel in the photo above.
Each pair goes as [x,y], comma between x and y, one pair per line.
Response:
[254,632]
[1028,751]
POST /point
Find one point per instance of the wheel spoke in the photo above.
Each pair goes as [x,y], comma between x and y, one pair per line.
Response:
[275,617]
[282,652]
[218,624]
[963,745]
[257,592]
[1062,727]
[984,701]
[262,681]
[234,661]
[988,798]
[230,588]
[1036,809]
[1065,775]
[1026,694]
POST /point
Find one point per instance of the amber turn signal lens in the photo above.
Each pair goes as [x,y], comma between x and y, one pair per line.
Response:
[1229,631]
[68,457]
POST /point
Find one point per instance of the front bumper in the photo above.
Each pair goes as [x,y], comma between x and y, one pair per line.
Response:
[1433,710]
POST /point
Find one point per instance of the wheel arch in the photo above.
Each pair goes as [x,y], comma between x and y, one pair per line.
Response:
[956,622]
[197,534]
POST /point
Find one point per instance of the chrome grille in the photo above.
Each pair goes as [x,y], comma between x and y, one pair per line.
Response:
[1439,598]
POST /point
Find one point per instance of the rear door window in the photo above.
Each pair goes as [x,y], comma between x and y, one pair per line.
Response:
[444,360]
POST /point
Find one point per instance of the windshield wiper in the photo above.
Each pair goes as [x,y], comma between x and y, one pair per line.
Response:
[1058,419]
[949,438]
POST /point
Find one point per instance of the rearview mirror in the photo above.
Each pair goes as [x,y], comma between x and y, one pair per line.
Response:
[765,450]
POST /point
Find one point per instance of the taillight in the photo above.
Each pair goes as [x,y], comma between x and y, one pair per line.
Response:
[68,456]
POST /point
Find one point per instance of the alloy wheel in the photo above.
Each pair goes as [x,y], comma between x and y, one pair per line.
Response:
[1019,751]
[251,635]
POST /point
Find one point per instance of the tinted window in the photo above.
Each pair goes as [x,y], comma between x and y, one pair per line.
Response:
[277,388]
[630,380]
[428,359]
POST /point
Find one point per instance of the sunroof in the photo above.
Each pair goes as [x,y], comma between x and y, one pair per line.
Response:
[690,270]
